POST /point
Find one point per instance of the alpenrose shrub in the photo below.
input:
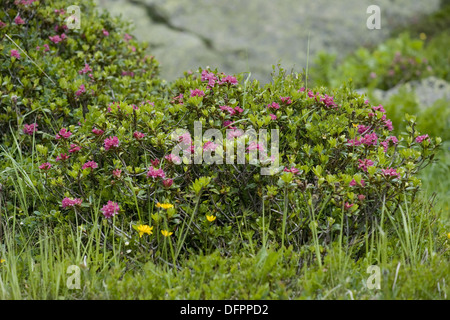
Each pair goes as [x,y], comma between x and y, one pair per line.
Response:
[49,70]
[338,165]
[101,144]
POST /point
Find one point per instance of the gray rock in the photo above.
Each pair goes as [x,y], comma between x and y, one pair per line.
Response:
[252,35]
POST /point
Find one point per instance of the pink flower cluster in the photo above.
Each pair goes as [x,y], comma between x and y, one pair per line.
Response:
[111,142]
[15,54]
[294,170]
[18,20]
[110,209]
[364,164]
[232,111]
[286,100]
[419,139]
[385,143]
[210,146]
[86,69]
[57,38]
[30,128]
[197,93]
[63,133]
[62,157]
[80,90]
[353,183]
[155,173]
[98,132]
[368,139]
[273,105]
[67,202]
[74,148]
[138,135]
[390,172]
[45,166]
[90,164]
[173,158]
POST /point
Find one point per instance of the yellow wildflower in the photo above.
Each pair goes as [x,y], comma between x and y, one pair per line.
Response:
[166,233]
[2,260]
[355,125]
[423,36]
[164,205]
[210,218]
[144,229]
[448,235]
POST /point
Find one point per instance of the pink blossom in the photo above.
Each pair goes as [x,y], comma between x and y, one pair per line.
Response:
[361,197]
[30,128]
[294,170]
[86,69]
[234,133]
[363,129]
[55,39]
[2,24]
[354,142]
[379,108]
[74,148]
[155,162]
[67,202]
[46,48]
[173,158]
[364,164]
[390,172]
[419,139]
[178,99]
[210,146]
[353,183]
[167,183]
[18,20]
[272,116]
[373,75]
[229,79]
[98,132]
[63,133]
[273,105]
[45,166]
[311,94]
[117,173]
[286,100]
[370,139]
[302,89]
[110,209]
[105,32]
[347,205]
[80,91]
[185,138]
[210,77]
[238,109]
[255,146]
[197,93]
[230,110]
[328,101]
[138,135]
[127,37]
[15,54]
[111,142]
[389,125]
[63,36]
[90,164]
[155,173]
[62,157]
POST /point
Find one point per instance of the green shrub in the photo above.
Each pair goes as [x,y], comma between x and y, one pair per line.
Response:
[105,152]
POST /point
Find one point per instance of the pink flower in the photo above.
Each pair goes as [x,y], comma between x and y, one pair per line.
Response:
[67,202]
[361,197]
[229,79]
[111,142]
[273,117]
[63,36]
[173,158]
[302,89]
[354,142]
[286,100]
[46,48]
[185,138]
[55,39]
[379,108]
[155,173]
[105,32]
[86,69]
[210,77]
[98,132]
[311,94]
[234,133]
[210,146]
[74,148]
[347,205]
[18,20]
[364,164]
[228,123]
[15,54]
[230,110]
[238,109]
[80,91]
[45,166]
[90,164]
[155,162]
[294,170]
[363,129]
[63,133]
[62,157]
[127,37]
[390,172]
[389,125]
[117,173]
[273,105]
[373,75]
[2,24]
[328,101]
[370,139]
[353,183]
[30,128]
[110,209]
[197,93]
[138,135]
[254,146]
[167,183]
[419,139]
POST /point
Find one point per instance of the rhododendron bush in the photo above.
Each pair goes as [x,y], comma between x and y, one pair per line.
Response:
[99,133]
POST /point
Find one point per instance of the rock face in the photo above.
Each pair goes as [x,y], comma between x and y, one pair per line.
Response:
[427,91]
[252,35]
